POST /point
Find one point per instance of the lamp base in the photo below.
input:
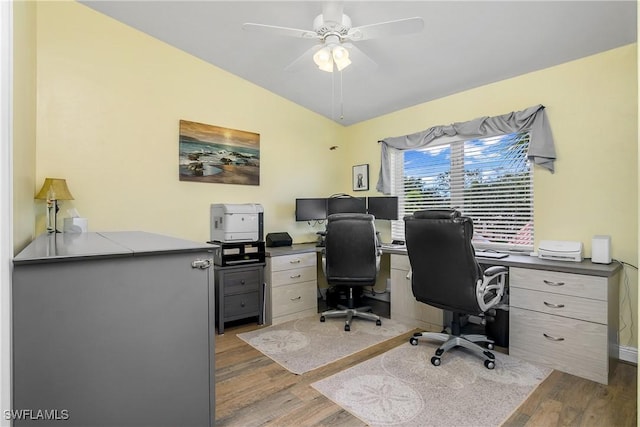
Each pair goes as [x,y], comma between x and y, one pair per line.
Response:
[52,220]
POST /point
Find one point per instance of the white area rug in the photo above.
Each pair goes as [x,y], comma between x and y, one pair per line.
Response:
[306,344]
[402,388]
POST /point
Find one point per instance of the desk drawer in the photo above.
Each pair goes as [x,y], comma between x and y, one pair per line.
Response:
[289,262]
[557,304]
[579,285]
[287,277]
[241,281]
[293,298]
[241,305]
[573,346]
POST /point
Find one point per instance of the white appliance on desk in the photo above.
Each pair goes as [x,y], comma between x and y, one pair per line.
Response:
[238,229]
[558,250]
[237,222]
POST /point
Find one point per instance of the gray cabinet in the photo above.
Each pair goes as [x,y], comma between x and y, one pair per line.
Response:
[566,321]
[239,293]
[114,329]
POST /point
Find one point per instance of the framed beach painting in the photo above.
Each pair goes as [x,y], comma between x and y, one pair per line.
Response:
[215,154]
[360,177]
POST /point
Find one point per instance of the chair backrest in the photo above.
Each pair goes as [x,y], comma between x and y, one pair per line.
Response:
[351,253]
[443,265]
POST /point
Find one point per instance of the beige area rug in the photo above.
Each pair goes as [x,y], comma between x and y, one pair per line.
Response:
[402,388]
[306,344]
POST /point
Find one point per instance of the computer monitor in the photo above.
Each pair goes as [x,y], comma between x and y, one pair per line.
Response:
[311,209]
[346,205]
[385,207]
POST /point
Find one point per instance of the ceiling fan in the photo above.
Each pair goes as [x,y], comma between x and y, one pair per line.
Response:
[334,31]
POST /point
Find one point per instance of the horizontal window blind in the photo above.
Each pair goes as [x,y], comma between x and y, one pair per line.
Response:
[488,179]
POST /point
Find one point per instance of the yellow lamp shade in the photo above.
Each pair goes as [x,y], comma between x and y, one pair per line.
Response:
[54,189]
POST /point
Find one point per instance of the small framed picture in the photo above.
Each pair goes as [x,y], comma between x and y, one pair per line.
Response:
[361,177]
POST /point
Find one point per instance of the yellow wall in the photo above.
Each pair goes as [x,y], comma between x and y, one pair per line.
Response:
[109,99]
[109,103]
[592,107]
[24,122]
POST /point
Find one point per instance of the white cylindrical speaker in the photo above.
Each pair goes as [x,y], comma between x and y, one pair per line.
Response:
[601,249]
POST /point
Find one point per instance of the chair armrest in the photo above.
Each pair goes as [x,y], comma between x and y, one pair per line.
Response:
[492,283]
[495,270]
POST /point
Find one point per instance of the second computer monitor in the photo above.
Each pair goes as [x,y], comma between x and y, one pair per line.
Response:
[311,209]
[385,207]
[346,205]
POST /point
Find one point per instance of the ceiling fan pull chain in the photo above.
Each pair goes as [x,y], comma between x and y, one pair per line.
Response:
[333,96]
[341,99]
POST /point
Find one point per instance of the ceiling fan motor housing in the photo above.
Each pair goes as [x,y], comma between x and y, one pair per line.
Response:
[325,28]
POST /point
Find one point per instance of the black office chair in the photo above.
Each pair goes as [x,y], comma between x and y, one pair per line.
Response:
[446,275]
[351,258]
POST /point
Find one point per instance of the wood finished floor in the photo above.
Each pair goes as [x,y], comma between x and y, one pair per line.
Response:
[252,390]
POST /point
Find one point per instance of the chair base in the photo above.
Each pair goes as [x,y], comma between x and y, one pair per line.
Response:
[350,313]
[468,341]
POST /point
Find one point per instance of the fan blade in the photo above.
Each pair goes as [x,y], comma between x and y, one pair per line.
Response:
[359,58]
[386,29]
[304,60]
[281,31]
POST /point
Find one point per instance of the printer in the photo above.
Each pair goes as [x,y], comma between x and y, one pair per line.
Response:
[559,250]
[237,222]
[239,231]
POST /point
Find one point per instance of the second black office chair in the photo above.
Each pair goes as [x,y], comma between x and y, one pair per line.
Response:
[351,259]
[446,275]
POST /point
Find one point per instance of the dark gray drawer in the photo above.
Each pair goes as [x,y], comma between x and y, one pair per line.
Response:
[241,305]
[236,282]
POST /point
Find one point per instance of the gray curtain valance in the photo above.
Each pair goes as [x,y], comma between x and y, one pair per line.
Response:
[541,148]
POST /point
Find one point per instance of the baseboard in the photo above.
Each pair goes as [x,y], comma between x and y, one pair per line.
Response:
[628,354]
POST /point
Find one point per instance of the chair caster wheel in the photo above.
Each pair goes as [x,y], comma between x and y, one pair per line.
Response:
[490,346]
[435,361]
[413,341]
[378,322]
[489,364]
[322,319]
[347,328]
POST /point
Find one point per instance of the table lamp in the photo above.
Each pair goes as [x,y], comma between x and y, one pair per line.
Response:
[52,190]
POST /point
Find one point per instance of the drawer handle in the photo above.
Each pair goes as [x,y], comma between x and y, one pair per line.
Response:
[548,304]
[202,264]
[295,276]
[295,299]
[242,282]
[550,283]
[549,337]
[295,261]
[242,304]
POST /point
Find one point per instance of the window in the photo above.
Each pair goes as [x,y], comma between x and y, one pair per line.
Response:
[487,179]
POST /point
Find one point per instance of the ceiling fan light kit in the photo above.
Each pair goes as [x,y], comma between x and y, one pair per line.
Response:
[341,57]
[332,53]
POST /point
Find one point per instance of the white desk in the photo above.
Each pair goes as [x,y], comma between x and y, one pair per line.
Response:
[575,332]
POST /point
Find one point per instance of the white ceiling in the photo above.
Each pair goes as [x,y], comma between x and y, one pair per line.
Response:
[464,44]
